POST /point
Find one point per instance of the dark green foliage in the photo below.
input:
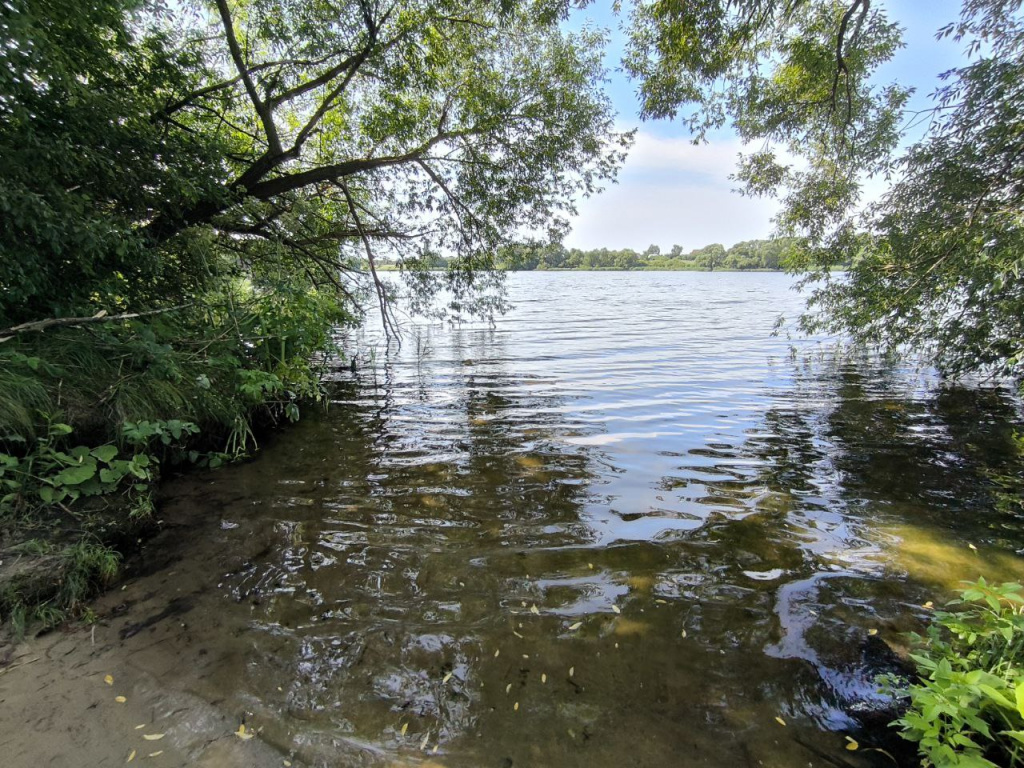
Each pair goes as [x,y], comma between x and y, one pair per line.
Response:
[935,264]
[942,268]
[83,162]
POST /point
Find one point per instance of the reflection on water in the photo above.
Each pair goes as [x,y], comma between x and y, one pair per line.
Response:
[621,527]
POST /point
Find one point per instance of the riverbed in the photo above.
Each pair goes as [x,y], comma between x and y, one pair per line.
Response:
[624,525]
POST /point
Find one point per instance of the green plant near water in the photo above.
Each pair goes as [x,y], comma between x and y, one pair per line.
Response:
[50,474]
[967,708]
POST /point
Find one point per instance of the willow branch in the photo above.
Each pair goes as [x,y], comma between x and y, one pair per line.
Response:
[389,328]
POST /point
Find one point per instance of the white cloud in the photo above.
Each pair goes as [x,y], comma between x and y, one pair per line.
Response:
[672,191]
[659,153]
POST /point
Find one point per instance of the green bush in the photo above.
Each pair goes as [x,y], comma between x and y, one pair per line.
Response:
[967,708]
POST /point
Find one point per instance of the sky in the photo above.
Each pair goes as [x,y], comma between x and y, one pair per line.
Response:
[673,192]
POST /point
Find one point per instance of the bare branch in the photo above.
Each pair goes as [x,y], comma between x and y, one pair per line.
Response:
[263,110]
[842,70]
[37,326]
[389,328]
[292,181]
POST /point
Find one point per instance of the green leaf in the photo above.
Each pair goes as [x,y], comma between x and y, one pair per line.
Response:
[1015,735]
[75,475]
[997,696]
[105,453]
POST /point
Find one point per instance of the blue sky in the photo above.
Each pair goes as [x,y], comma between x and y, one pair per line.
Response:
[671,191]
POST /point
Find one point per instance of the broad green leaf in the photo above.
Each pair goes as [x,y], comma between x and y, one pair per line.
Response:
[76,475]
[105,453]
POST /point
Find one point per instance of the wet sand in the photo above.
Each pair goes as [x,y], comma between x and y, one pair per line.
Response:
[57,707]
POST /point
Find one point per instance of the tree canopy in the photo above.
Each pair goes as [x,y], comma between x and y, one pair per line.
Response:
[149,149]
[936,261]
[152,150]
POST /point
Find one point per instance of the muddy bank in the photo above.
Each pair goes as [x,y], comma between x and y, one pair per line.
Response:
[90,696]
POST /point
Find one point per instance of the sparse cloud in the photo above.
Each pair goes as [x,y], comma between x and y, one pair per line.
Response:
[672,191]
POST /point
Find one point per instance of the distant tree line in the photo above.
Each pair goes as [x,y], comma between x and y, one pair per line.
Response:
[768,255]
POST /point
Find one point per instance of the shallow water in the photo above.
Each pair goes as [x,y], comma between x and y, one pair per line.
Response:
[623,526]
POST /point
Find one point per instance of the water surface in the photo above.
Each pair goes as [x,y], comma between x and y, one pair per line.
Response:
[624,526]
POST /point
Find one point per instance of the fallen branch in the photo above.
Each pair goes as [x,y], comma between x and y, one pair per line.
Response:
[99,317]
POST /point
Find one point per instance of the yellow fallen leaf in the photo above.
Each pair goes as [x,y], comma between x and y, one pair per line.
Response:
[575,626]
[508,689]
[543,677]
[973,547]
[780,721]
[109,679]
[872,632]
[683,633]
[929,605]
[616,609]
[287,764]
[120,699]
[446,678]
[434,750]
[572,670]
[659,601]
[140,726]
[851,744]
[155,736]
[155,754]
[131,756]
[405,727]
[590,566]
[423,744]
[517,634]
[534,610]
[241,733]
[496,652]
[515,707]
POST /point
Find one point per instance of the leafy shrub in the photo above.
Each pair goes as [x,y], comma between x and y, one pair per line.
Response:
[967,708]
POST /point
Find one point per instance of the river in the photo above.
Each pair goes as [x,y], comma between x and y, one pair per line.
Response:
[623,526]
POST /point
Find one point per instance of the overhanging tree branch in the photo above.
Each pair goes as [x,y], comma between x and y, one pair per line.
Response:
[389,328]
